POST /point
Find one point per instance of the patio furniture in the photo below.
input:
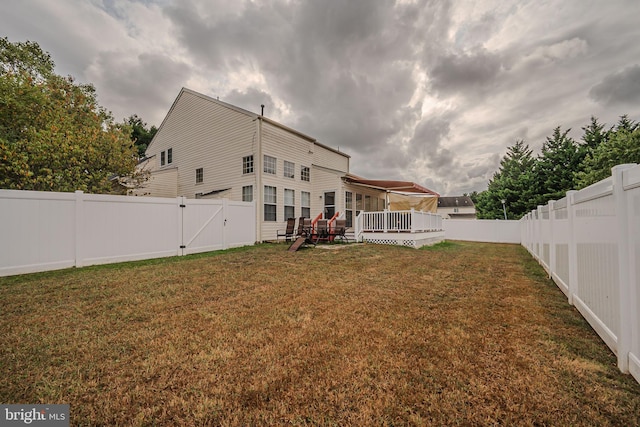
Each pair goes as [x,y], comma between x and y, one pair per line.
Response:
[339,230]
[288,233]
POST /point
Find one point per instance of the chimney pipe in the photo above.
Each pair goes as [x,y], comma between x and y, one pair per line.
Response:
[262,113]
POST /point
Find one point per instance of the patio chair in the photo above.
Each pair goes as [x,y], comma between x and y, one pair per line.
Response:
[339,230]
[322,230]
[301,230]
[288,233]
[304,235]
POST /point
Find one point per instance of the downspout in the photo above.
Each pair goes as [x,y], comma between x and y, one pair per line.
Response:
[259,191]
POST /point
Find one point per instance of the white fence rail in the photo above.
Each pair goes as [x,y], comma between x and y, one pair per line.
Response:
[589,243]
[46,231]
[399,221]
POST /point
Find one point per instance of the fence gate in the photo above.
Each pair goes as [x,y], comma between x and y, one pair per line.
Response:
[203,225]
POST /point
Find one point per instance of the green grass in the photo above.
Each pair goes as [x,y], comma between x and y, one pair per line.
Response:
[459,334]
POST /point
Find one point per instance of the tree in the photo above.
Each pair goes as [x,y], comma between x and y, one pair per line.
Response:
[140,134]
[53,134]
[511,183]
[622,145]
[556,166]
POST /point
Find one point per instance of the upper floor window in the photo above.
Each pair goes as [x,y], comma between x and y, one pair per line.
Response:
[166,157]
[199,175]
[289,169]
[269,164]
[305,175]
[247,164]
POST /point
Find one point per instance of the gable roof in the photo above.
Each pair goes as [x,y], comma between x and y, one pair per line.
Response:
[253,116]
[388,185]
[455,202]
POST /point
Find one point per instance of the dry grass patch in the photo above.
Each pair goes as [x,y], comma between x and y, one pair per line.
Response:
[460,334]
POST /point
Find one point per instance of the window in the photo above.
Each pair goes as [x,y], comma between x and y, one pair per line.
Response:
[247,164]
[170,156]
[247,193]
[358,203]
[305,202]
[289,169]
[199,175]
[367,203]
[270,198]
[269,164]
[289,203]
[348,208]
[162,161]
[304,173]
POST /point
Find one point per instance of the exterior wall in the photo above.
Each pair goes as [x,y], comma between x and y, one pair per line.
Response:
[161,183]
[460,210]
[284,146]
[208,135]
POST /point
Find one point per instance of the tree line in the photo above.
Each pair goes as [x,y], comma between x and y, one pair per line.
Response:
[54,136]
[524,181]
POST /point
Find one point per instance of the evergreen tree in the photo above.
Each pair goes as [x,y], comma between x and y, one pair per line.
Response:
[622,145]
[140,134]
[511,183]
[555,169]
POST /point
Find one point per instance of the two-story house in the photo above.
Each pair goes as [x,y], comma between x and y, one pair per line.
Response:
[206,148]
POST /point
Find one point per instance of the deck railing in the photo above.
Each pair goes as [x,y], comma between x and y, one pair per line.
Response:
[410,221]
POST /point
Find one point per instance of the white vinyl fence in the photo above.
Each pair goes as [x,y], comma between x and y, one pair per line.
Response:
[42,231]
[589,243]
[482,230]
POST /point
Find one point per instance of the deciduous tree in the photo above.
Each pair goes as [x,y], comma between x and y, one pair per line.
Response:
[53,134]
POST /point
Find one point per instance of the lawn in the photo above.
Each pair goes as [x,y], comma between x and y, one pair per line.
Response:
[458,334]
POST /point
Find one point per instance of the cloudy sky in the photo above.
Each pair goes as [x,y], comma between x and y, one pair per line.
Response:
[431,91]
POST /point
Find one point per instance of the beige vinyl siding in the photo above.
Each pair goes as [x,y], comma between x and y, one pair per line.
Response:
[326,180]
[205,134]
[290,147]
[330,159]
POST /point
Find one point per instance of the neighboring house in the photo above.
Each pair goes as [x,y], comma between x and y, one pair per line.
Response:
[457,207]
[206,148]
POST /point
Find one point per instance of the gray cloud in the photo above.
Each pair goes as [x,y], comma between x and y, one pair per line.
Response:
[136,80]
[620,88]
[426,90]
[251,100]
[458,73]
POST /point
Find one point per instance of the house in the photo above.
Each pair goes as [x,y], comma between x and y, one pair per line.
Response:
[206,148]
[456,207]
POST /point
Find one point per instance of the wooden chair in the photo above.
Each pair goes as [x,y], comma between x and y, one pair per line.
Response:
[288,233]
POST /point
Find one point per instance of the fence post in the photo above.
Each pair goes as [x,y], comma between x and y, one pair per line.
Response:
[552,242]
[181,205]
[572,247]
[624,286]
[413,220]
[80,247]
[225,212]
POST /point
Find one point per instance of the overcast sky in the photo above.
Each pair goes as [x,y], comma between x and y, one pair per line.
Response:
[430,91]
